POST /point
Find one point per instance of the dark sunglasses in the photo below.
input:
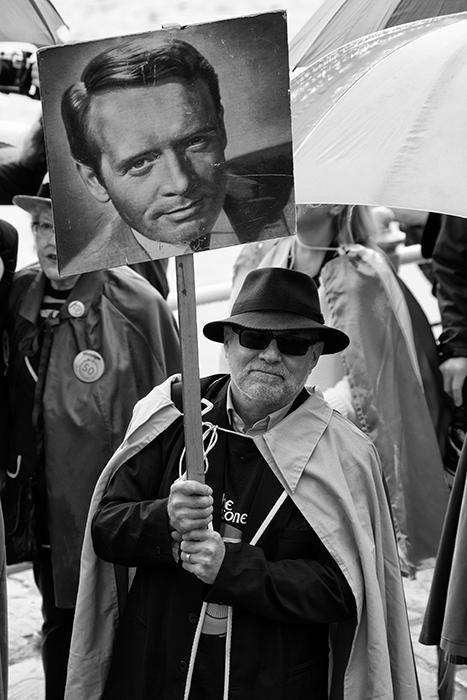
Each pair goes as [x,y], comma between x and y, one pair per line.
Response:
[286,344]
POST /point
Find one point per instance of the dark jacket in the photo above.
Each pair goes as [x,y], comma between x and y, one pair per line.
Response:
[8,255]
[8,252]
[284,591]
[122,318]
[444,623]
[450,269]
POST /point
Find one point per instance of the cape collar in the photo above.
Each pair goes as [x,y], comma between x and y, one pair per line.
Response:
[283,447]
[84,291]
[288,446]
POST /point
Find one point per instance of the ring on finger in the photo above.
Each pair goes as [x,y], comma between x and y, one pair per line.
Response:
[187,556]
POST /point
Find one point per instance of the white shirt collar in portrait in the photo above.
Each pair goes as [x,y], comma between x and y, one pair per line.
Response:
[157,249]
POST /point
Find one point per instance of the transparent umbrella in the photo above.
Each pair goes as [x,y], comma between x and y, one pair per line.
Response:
[33,21]
[383,120]
[334,23]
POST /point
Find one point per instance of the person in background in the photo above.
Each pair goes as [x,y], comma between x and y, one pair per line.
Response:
[242,581]
[8,255]
[83,350]
[449,253]
[445,621]
[23,168]
[387,381]
[8,258]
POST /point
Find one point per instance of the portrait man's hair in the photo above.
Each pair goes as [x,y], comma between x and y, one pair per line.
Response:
[124,66]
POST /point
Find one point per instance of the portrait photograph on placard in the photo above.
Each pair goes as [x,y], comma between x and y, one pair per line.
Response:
[169,142]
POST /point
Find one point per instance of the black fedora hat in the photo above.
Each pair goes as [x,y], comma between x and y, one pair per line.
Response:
[273,298]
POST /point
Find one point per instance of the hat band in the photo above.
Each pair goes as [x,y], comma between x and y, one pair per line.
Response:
[299,310]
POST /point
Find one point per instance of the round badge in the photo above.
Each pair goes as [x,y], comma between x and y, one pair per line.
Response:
[88,366]
[76,308]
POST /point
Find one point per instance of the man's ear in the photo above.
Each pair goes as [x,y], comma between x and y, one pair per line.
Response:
[93,185]
[228,333]
[317,350]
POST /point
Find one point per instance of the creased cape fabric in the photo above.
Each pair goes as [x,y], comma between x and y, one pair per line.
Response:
[126,321]
[384,364]
[334,477]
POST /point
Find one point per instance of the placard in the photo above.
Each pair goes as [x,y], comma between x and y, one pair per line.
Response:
[169,142]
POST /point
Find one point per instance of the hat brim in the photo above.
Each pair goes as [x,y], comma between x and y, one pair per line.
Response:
[334,339]
[29,203]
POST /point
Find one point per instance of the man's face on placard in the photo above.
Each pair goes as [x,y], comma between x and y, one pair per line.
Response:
[162,163]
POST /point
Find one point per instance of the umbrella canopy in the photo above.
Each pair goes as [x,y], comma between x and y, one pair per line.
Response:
[337,22]
[383,120]
[34,21]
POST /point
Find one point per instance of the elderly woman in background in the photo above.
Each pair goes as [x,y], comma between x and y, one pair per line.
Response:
[82,351]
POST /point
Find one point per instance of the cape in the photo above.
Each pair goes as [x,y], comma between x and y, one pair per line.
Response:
[372,656]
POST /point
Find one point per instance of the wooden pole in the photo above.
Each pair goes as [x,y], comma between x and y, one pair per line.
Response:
[191,393]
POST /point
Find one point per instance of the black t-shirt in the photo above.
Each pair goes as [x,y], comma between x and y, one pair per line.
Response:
[244,468]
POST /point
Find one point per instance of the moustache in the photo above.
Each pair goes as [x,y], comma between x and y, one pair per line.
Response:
[265,368]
